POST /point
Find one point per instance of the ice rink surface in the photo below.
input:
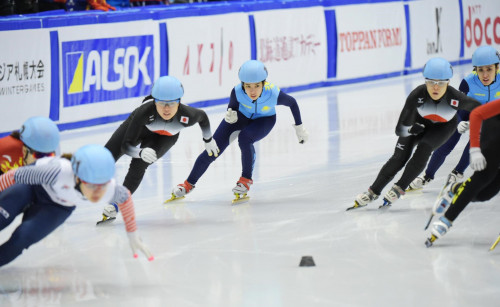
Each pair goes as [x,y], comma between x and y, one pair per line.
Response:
[210,253]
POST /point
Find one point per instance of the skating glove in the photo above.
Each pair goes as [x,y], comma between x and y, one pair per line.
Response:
[136,244]
[148,155]
[462,127]
[231,116]
[302,133]
[212,148]
[416,129]
[477,160]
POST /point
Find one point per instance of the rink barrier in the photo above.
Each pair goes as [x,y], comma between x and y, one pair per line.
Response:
[213,57]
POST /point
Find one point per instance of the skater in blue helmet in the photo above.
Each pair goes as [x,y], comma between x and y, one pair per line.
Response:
[151,130]
[37,138]
[250,116]
[483,84]
[428,119]
[48,191]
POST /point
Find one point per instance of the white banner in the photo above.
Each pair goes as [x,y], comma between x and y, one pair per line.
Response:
[481,24]
[435,31]
[292,45]
[24,76]
[371,39]
[205,53]
[106,69]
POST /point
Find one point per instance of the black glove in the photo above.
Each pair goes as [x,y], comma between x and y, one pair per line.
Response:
[416,129]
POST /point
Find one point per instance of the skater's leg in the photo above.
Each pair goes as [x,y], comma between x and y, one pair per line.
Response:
[254,132]
[39,220]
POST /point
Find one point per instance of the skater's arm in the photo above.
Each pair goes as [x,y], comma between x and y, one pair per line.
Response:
[31,174]
[126,206]
[233,102]
[465,102]
[477,116]
[35,175]
[407,117]
[196,115]
[139,118]
[287,100]
[123,198]
[464,87]
[7,179]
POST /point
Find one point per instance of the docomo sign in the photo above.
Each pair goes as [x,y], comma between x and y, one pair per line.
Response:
[474,28]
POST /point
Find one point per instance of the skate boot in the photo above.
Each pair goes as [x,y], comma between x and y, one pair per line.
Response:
[454,176]
[241,189]
[180,191]
[418,183]
[108,214]
[363,199]
[439,229]
[443,202]
[392,195]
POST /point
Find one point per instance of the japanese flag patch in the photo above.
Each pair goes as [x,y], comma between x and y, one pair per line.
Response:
[184,119]
[454,103]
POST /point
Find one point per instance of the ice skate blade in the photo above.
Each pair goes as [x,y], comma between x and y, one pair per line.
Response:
[495,244]
[430,241]
[385,205]
[240,199]
[356,206]
[105,220]
[413,190]
[173,198]
[429,222]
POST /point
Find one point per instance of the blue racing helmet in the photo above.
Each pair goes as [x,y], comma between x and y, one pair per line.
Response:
[167,88]
[93,164]
[485,55]
[438,69]
[252,71]
[40,134]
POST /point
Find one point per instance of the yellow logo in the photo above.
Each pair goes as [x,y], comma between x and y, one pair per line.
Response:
[6,166]
[269,86]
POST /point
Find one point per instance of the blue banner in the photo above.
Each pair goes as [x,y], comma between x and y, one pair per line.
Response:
[99,70]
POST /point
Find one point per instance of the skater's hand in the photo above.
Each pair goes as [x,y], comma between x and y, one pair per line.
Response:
[231,116]
[417,128]
[212,148]
[462,127]
[477,160]
[136,244]
[148,155]
[302,133]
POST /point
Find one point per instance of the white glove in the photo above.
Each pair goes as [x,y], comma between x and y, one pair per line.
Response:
[477,160]
[462,127]
[136,244]
[302,133]
[231,116]
[148,155]
[212,148]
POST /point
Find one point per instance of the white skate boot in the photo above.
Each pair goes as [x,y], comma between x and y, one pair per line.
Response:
[180,191]
[454,176]
[418,183]
[392,195]
[443,202]
[108,213]
[241,189]
[363,199]
[439,229]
